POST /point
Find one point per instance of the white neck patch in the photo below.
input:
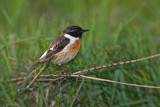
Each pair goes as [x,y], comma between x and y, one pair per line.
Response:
[71,38]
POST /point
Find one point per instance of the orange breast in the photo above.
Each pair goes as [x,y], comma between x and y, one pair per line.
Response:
[75,46]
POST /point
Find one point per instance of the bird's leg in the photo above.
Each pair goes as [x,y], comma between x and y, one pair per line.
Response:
[59,67]
[67,69]
[62,72]
[70,73]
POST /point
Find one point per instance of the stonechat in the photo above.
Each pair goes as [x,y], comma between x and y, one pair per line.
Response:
[64,48]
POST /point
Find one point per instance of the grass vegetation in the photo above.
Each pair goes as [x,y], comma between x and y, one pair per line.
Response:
[120,30]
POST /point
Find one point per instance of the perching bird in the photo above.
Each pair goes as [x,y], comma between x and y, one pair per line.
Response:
[64,48]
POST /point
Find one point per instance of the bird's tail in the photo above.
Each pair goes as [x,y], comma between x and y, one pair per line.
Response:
[30,67]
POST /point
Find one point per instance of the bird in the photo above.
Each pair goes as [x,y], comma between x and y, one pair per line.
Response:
[64,48]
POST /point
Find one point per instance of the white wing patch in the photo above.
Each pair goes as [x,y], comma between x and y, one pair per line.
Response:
[51,48]
[43,56]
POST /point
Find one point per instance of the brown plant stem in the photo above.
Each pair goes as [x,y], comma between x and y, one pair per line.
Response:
[34,79]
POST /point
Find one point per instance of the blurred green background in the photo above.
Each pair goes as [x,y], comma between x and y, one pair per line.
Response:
[120,30]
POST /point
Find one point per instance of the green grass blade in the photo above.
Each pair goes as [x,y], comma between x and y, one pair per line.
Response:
[6,95]
[133,103]
[71,105]
[116,76]
[9,20]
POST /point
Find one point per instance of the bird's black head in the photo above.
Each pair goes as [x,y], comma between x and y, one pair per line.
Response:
[75,31]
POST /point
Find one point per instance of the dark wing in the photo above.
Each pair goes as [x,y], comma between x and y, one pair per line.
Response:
[56,46]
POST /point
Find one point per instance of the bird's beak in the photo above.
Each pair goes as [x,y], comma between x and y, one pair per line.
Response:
[85,30]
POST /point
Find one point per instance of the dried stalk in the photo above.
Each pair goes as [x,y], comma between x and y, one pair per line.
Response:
[34,79]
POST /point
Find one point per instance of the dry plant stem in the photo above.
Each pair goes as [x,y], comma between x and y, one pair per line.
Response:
[34,79]
[111,81]
[115,64]
[32,82]
[17,79]
[100,79]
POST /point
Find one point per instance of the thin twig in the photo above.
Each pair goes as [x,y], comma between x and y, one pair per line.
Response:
[93,78]
[35,78]
[17,79]
[111,81]
[116,64]
[99,79]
